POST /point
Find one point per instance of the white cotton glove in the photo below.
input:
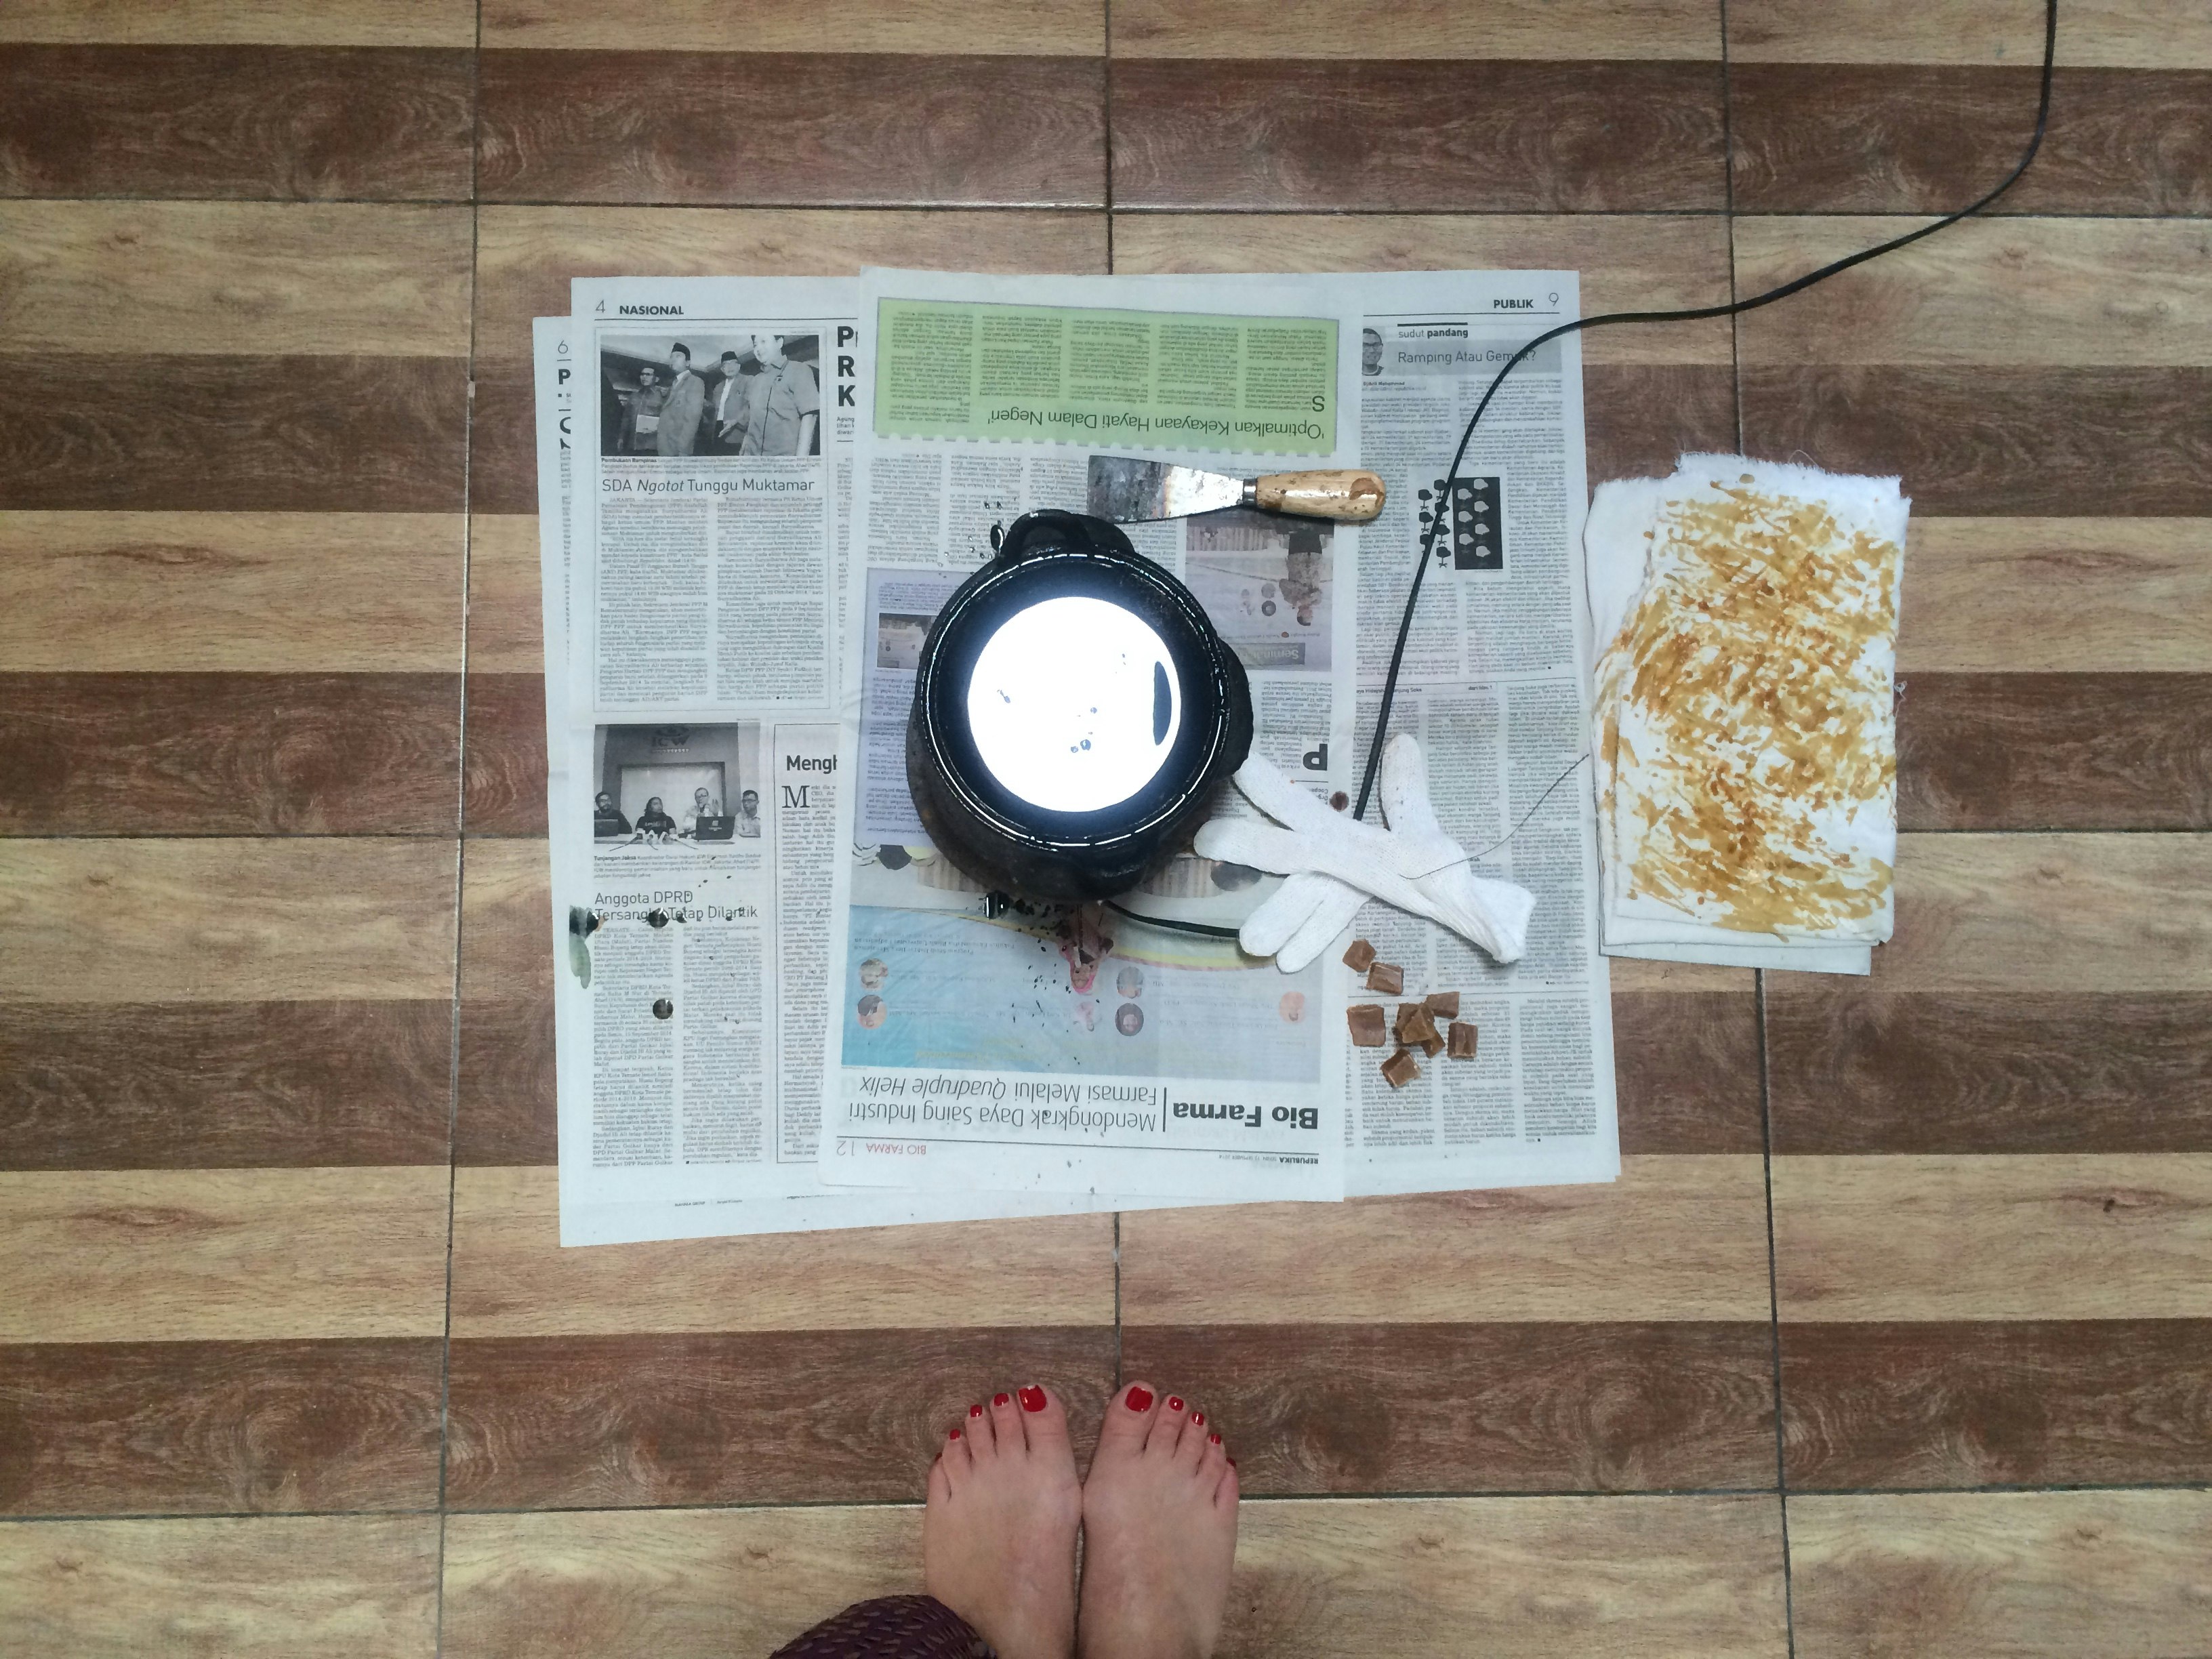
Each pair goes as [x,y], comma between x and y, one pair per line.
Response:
[1335,864]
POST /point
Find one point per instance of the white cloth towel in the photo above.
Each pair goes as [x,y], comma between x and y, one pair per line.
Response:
[1743,728]
[1335,863]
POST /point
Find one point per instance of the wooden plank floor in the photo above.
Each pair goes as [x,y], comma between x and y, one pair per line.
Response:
[1893,1338]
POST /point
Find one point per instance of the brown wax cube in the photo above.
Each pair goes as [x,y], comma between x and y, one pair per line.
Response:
[1388,977]
[1357,955]
[1459,1039]
[1365,1019]
[1416,1029]
[1399,1070]
[1443,1004]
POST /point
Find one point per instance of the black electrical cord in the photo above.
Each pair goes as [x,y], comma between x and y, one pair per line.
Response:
[1734,308]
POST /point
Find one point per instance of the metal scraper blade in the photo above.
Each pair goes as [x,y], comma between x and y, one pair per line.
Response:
[1131,491]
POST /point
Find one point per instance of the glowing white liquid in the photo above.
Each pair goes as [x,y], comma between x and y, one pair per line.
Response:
[1063,704]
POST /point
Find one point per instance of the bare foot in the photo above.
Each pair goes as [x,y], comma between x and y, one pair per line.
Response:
[998,1539]
[1159,1532]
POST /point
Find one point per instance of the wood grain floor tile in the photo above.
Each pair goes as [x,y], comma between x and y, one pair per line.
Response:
[2036,1403]
[1377,28]
[502,445]
[1679,1237]
[173,1255]
[1639,418]
[2057,596]
[1417,133]
[224,1086]
[1650,1576]
[2057,913]
[506,1111]
[1626,261]
[1982,440]
[503,765]
[765,1417]
[1903,138]
[222,920]
[269,592]
[1854,1070]
[2055,752]
[1630,973]
[237,278]
[1518,1577]
[273,22]
[174,1427]
[506,629]
[2011,292]
[341,1587]
[672,1582]
[1687,1067]
[2061,1235]
[228,754]
[792,129]
[1031,28]
[2019,1575]
[509,1280]
[261,122]
[2111,33]
[205,434]
[1489,1407]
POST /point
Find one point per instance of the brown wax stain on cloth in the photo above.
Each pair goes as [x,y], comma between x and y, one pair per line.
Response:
[1745,714]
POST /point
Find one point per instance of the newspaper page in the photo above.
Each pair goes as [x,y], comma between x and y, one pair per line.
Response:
[1129,1047]
[1493,685]
[692,839]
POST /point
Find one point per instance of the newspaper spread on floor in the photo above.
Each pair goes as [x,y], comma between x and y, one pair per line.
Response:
[697,567]
[1118,1047]
[693,436]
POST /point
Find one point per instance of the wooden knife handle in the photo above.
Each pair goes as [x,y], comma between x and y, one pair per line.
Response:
[1350,497]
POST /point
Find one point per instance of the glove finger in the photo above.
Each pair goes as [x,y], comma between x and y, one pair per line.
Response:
[1280,915]
[1263,784]
[1404,789]
[1329,918]
[1248,840]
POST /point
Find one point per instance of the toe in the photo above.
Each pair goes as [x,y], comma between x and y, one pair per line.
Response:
[953,1459]
[1212,1459]
[1167,1430]
[1005,1423]
[1044,1420]
[1127,1418]
[1190,1446]
[940,1481]
[1225,1488]
[976,1430]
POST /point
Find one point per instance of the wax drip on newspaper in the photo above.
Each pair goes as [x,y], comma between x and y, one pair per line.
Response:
[1336,863]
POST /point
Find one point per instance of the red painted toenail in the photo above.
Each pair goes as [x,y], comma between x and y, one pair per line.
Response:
[975,1410]
[1140,1400]
[955,1435]
[1213,1439]
[1173,1404]
[1002,1400]
[1198,1421]
[1032,1399]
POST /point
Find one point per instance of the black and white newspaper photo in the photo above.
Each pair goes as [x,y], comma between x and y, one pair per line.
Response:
[706,512]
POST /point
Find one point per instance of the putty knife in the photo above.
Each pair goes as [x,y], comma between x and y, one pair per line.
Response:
[1130,491]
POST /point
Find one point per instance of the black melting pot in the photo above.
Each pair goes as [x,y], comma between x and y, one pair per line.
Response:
[1074,715]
